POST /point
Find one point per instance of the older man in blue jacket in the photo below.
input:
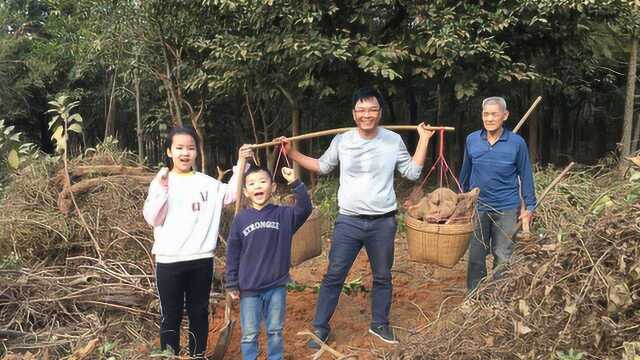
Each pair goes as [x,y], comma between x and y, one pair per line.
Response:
[494,158]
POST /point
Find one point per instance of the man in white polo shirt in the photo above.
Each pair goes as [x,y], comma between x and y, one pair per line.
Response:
[368,157]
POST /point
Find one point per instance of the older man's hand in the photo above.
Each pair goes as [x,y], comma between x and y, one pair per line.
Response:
[525,217]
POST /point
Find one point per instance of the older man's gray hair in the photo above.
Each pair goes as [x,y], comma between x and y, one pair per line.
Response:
[495,100]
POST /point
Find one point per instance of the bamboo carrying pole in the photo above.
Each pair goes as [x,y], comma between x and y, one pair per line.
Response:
[341,130]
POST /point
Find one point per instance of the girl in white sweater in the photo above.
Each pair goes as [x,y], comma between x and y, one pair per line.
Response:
[184,207]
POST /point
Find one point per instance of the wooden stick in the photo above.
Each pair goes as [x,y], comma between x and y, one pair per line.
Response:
[324,346]
[526,115]
[547,189]
[525,226]
[341,130]
[555,182]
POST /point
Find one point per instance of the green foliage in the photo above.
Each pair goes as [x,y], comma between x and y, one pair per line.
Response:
[11,261]
[168,353]
[14,152]
[570,355]
[63,122]
[325,198]
[107,350]
[353,287]
[296,287]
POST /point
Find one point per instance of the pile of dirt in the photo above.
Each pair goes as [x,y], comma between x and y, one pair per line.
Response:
[575,289]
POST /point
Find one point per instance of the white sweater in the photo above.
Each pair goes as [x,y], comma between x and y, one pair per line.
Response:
[186,217]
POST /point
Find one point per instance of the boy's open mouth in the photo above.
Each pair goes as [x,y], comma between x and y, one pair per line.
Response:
[259,193]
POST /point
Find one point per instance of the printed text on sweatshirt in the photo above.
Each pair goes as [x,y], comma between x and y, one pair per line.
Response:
[259,244]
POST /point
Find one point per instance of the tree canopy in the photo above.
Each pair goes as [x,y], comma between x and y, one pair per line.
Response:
[250,70]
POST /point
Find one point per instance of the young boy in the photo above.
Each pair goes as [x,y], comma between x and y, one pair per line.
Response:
[259,257]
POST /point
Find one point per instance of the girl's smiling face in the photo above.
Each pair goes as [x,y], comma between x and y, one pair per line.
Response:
[182,153]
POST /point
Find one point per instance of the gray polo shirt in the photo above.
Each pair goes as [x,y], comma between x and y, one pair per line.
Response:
[366,170]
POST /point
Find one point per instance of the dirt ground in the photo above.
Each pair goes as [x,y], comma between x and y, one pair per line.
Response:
[420,292]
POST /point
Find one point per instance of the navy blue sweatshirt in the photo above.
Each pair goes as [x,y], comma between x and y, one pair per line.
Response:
[259,244]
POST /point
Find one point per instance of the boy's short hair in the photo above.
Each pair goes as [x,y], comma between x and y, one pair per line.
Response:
[253,168]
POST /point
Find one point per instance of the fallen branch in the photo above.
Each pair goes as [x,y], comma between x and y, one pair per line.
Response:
[325,347]
[64,198]
[82,353]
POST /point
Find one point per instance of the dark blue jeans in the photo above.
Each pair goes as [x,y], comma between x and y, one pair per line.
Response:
[493,232]
[349,236]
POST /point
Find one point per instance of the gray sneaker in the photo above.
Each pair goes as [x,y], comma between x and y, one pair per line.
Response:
[384,332]
[322,335]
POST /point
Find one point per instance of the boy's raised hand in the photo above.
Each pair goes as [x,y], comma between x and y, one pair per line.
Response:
[163,177]
[288,174]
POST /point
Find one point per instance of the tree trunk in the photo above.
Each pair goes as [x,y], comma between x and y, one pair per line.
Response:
[295,130]
[109,122]
[136,84]
[440,105]
[533,138]
[413,114]
[392,118]
[635,146]
[628,106]
[295,123]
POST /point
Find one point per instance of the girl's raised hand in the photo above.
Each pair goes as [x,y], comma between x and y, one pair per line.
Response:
[245,152]
[288,174]
[163,177]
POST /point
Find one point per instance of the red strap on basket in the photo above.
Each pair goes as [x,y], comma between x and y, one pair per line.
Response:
[441,164]
[280,153]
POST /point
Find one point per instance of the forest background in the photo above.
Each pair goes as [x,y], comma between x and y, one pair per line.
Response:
[248,71]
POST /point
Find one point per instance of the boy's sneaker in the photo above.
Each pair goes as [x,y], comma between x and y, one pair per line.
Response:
[322,335]
[384,332]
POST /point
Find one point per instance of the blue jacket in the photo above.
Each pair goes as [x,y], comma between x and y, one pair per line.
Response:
[495,170]
[259,244]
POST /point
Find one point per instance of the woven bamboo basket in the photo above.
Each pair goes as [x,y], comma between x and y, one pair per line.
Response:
[440,244]
[307,241]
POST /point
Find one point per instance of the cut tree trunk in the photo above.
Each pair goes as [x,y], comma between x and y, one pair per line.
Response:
[65,203]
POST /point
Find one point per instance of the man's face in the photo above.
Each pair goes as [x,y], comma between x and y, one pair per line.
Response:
[367,114]
[258,187]
[493,117]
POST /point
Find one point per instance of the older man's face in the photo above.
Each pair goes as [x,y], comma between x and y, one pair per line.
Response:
[493,117]
[367,113]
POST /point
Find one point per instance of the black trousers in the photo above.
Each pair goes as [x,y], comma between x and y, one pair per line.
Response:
[177,282]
